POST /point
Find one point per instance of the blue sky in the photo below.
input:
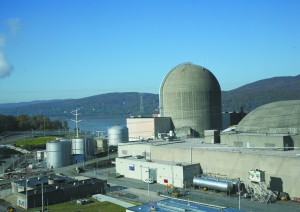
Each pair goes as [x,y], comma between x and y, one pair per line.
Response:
[62,49]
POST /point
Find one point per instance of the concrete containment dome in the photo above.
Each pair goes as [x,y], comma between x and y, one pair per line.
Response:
[191,96]
[275,118]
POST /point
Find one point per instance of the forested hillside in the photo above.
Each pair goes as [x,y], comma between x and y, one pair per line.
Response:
[104,105]
[249,97]
[261,92]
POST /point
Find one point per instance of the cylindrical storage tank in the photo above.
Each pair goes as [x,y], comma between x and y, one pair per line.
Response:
[90,147]
[213,183]
[83,146]
[78,146]
[102,144]
[58,153]
[117,134]
[191,96]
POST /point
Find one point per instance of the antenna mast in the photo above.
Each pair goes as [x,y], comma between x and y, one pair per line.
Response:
[75,113]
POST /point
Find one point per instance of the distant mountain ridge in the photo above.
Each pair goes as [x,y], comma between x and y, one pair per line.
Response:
[261,92]
[249,97]
[103,105]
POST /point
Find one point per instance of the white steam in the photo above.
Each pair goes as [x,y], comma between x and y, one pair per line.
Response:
[5,67]
[14,26]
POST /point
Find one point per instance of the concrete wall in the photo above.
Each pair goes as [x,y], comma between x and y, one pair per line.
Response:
[144,128]
[178,175]
[140,127]
[138,149]
[253,140]
[282,173]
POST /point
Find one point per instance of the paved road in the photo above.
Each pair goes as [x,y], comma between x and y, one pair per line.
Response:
[220,199]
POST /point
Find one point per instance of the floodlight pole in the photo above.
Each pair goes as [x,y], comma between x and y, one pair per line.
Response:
[148,185]
[26,195]
[42,197]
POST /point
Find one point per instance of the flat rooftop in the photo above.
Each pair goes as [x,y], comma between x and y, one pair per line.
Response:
[198,143]
[159,161]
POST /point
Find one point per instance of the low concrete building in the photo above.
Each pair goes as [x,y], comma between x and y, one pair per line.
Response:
[281,168]
[55,189]
[164,172]
[140,128]
[211,136]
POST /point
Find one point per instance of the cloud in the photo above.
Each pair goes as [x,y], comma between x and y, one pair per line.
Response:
[14,25]
[5,67]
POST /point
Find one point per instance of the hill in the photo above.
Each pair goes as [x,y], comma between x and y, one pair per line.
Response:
[249,97]
[104,105]
[261,92]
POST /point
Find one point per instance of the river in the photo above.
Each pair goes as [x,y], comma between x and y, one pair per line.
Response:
[92,125]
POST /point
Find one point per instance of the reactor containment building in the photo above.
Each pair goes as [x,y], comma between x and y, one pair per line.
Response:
[191,96]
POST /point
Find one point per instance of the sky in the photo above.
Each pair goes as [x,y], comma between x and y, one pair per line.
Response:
[62,49]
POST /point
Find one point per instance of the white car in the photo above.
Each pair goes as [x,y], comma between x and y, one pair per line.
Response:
[150,180]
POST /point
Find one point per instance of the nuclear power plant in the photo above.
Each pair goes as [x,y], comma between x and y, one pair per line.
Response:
[262,151]
[191,143]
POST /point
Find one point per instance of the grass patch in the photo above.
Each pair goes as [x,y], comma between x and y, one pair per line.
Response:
[93,206]
[34,141]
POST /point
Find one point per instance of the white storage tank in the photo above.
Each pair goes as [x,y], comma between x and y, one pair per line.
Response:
[83,146]
[117,134]
[58,153]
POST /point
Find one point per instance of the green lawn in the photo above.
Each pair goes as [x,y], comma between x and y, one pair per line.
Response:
[34,141]
[93,206]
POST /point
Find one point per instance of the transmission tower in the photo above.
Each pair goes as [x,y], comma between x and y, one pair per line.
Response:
[141,103]
[75,113]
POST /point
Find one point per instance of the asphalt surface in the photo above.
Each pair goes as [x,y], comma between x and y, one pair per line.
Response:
[207,197]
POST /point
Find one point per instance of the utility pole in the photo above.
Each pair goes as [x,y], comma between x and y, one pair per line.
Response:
[141,103]
[239,194]
[42,197]
[148,185]
[26,194]
[75,113]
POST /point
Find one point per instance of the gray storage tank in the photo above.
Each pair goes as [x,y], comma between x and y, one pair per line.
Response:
[191,96]
[83,146]
[215,183]
[117,134]
[58,153]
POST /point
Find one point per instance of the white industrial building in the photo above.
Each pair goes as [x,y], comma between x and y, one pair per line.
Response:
[164,172]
